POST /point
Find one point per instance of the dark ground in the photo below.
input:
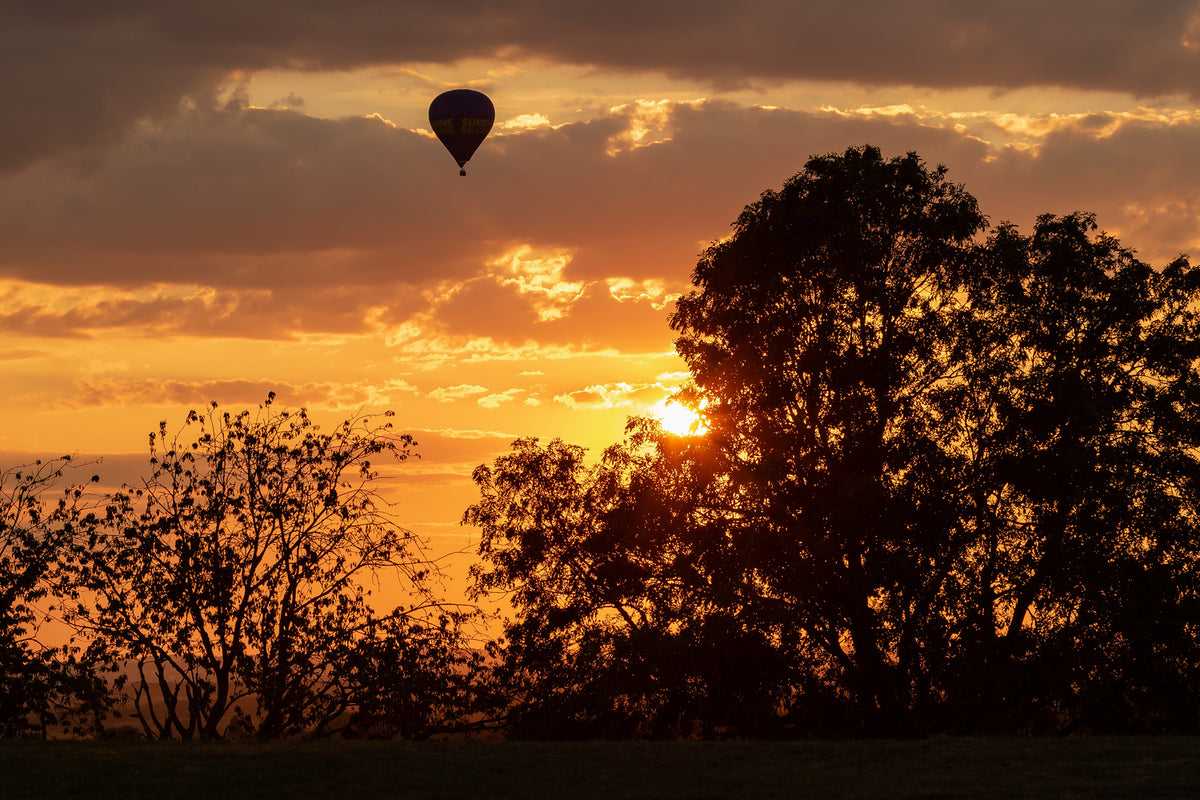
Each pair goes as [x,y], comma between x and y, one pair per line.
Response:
[1099,767]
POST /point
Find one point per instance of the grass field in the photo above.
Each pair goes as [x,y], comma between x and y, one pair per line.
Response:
[939,768]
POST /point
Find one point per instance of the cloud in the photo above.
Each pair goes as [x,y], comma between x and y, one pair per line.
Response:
[612,395]
[539,275]
[449,452]
[486,308]
[89,70]
[92,392]
[20,354]
[448,394]
[524,298]
[446,455]
[1138,176]
[53,312]
[243,197]
[499,399]
[289,224]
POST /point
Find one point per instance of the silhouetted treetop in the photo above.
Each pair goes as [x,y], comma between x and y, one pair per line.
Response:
[45,687]
[949,484]
[233,587]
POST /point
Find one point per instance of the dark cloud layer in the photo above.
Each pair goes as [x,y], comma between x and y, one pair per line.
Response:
[79,73]
[286,223]
[267,198]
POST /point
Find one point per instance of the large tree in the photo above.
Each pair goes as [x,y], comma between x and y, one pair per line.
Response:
[233,586]
[949,483]
[1081,421]
[819,335]
[964,469]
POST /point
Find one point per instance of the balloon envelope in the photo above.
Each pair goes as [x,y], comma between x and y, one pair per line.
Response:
[461,118]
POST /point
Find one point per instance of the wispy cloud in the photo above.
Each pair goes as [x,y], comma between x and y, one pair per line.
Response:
[448,394]
[613,395]
[102,391]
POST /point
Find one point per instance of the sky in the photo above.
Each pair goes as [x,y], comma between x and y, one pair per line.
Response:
[208,201]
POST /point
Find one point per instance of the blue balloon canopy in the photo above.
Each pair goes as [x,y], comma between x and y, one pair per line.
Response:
[461,118]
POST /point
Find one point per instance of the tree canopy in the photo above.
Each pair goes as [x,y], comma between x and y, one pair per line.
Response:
[232,589]
[948,482]
[43,686]
[620,630]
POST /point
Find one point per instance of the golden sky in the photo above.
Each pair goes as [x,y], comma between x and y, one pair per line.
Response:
[212,200]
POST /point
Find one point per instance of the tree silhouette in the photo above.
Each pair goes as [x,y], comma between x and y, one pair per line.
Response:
[618,631]
[961,467]
[949,484]
[42,687]
[819,335]
[1084,436]
[233,586]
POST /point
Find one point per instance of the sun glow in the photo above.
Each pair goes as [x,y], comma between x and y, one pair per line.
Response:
[678,419]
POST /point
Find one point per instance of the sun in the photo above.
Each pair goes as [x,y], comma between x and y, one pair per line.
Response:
[677,418]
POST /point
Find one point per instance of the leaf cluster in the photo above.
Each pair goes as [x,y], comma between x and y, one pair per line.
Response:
[231,591]
[948,485]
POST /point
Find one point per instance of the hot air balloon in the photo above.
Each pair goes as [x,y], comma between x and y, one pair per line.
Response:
[461,118]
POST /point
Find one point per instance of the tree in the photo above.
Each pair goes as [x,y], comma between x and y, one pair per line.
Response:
[949,484]
[413,679]
[962,471]
[233,586]
[1085,436]
[619,631]
[819,337]
[42,687]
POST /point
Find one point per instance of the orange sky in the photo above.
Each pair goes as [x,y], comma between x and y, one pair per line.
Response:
[210,201]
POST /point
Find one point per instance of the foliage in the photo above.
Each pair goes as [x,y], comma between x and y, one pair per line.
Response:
[42,688]
[817,335]
[618,632]
[961,466]
[233,586]
[949,484]
[1085,438]
[414,679]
